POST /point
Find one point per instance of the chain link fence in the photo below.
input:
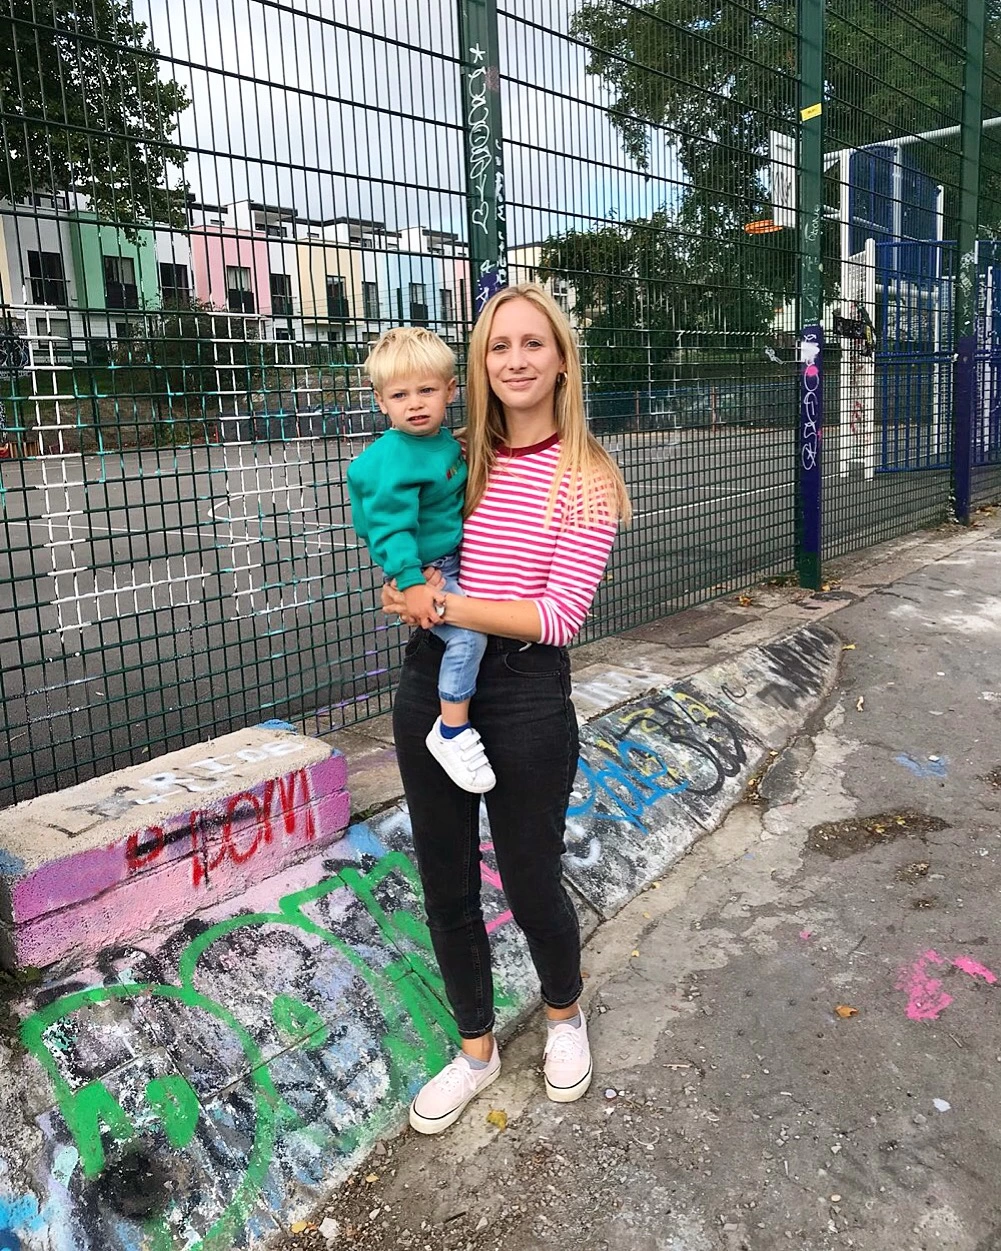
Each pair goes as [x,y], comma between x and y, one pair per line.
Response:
[208,212]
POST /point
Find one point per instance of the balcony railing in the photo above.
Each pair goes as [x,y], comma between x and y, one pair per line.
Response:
[240,301]
[121,295]
[49,291]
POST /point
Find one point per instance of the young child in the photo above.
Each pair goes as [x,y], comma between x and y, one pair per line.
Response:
[407,491]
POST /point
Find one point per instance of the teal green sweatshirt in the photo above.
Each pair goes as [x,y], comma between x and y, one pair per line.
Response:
[406,493]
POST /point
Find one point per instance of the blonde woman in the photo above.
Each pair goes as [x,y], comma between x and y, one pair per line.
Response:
[542,505]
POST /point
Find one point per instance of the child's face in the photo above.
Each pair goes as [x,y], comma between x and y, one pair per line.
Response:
[416,405]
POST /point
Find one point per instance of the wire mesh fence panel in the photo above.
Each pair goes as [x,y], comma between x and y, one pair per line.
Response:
[209,211]
[630,187]
[895,73]
[208,214]
[985,486]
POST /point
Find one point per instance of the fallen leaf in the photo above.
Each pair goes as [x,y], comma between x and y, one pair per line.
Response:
[300,1227]
[584,973]
[635,954]
[861,703]
[844,1011]
[372,1178]
[497,1118]
[848,647]
[745,601]
[655,885]
[826,586]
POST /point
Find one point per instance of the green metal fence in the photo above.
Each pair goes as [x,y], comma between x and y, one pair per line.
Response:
[771,225]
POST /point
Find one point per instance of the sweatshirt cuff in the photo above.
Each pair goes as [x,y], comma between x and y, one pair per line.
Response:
[411,576]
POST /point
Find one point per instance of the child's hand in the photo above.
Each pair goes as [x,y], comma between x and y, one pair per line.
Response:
[420,604]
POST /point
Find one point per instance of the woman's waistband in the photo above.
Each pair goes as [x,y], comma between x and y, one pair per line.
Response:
[497,644]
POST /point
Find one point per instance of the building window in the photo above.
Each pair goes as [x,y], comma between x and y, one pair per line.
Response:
[48,280]
[239,292]
[447,304]
[120,290]
[337,301]
[281,295]
[175,285]
[370,299]
[418,304]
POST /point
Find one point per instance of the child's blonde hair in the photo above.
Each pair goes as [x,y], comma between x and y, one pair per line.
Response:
[597,490]
[409,352]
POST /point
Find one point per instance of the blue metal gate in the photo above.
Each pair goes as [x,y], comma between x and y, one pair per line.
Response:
[914,283]
[987,410]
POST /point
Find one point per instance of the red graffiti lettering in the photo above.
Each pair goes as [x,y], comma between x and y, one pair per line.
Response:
[143,848]
[247,823]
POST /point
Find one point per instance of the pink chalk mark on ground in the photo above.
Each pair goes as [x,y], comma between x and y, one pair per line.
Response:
[492,878]
[927,999]
[805,934]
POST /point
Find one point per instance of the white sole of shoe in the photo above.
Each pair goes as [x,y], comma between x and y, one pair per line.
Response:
[424,1126]
[570,1094]
[433,742]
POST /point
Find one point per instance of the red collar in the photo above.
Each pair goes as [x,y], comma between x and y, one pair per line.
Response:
[511,452]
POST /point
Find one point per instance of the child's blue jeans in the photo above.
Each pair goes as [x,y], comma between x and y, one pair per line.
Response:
[460,666]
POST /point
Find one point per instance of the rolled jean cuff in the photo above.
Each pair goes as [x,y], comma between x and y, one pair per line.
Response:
[570,1002]
[447,698]
[478,1033]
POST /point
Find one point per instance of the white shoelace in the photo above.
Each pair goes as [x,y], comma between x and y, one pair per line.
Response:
[565,1045]
[458,1077]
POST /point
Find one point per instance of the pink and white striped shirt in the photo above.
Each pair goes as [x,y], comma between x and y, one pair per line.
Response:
[509,553]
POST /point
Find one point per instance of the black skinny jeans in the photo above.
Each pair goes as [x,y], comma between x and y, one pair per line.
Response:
[523,712]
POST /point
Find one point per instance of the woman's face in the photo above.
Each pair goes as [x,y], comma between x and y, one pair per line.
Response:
[523,358]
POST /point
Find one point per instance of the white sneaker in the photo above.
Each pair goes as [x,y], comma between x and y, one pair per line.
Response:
[567,1062]
[441,1101]
[463,759]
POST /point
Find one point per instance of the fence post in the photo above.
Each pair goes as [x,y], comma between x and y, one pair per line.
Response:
[964,376]
[481,121]
[810,16]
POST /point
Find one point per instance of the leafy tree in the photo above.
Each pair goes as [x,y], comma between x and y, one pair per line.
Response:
[85,110]
[709,79]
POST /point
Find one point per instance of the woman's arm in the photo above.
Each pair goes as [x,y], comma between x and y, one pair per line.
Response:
[509,618]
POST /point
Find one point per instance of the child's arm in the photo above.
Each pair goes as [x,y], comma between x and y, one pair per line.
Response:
[420,602]
[385,508]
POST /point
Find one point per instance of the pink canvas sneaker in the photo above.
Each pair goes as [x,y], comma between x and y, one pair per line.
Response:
[441,1101]
[567,1062]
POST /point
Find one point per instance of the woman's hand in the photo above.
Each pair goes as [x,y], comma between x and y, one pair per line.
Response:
[394,603]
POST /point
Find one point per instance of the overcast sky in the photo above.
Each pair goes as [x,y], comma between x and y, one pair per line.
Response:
[352,107]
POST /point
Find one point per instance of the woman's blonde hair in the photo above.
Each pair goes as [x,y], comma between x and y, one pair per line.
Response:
[596,489]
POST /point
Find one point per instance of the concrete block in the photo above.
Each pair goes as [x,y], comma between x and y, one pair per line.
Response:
[168,838]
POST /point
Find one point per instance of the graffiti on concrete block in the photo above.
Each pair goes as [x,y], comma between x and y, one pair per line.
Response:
[235,831]
[245,1056]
